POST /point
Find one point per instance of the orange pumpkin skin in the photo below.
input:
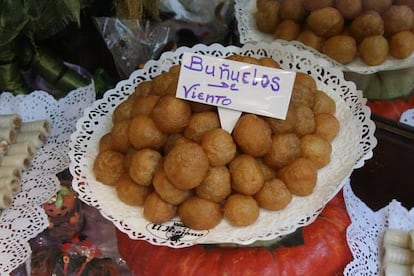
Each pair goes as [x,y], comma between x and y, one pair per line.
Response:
[324,252]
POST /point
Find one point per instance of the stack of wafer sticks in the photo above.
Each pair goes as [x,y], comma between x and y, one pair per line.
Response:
[19,142]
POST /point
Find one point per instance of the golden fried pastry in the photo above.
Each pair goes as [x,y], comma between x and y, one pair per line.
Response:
[241,210]
[373,50]
[123,111]
[161,83]
[157,210]
[292,10]
[309,38]
[305,120]
[269,62]
[283,126]
[268,172]
[300,176]
[199,213]
[216,186]
[302,95]
[246,174]
[379,6]
[131,193]
[323,103]
[171,115]
[402,44]
[311,5]
[253,135]
[108,166]
[119,136]
[349,8]
[143,88]
[341,48]
[305,80]
[219,146]
[201,123]
[367,24]
[167,191]
[285,149]
[326,126]
[316,149]
[186,165]
[144,164]
[144,133]
[274,195]
[287,30]
[397,19]
[267,17]
[143,105]
[326,22]
[105,143]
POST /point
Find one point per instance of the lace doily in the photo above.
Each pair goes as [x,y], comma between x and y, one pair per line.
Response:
[248,32]
[351,148]
[25,219]
[407,117]
[365,234]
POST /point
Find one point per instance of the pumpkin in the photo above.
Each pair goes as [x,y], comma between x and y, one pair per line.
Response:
[324,252]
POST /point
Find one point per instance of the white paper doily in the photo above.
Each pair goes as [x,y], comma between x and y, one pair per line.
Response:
[248,32]
[25,219]
[407,117]
[366,231]
[351,148]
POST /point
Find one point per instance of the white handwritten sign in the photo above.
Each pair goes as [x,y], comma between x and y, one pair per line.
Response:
[237,86]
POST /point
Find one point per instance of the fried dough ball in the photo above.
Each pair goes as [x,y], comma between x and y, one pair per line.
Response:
[105,143]
[269,62]
[131,193]
[309,38]
[300,176]
[326,126]
[367,24]
[219,146]
[167,191]
[287,30]
[267,17]
[274,195]
[144,164]
[119,136]
[402,44]
[292,10]
[379,6]
[253,135]
[171,115]
[323,103]
[143,105]
[349,8]
[311,5]
[157,210]
[302,95]
[161,83]
[246,174]
[123,111]
[144,133]
[285,148]
[396,19]
[341,48]
[305,120]
[201,123]
[186,165]
[199,213]
[241,210]
[373,50]
[199,107]
[326,22]
[108,166]
[216,186]
[306,80]
[283,126]
[268,172]
[144,88]
[316,149]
